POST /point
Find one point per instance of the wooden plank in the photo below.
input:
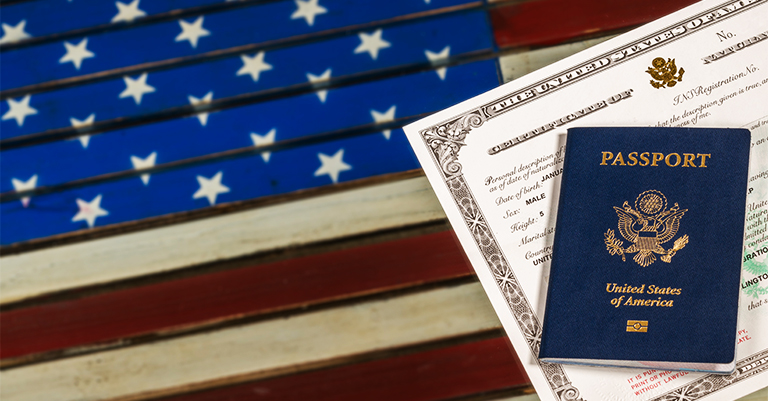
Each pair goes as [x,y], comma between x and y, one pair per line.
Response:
[337,109]
[233,124]
[541,23]
[148,44]
[256,351]
[457,371]
[225,78]
[44,18]
[179,304]
[332,216]
[253,177]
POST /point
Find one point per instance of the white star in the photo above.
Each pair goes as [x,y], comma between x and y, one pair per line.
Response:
[371,43]
[19,185]
[147,162]
[76,53]
[14,33]
[19,110]
[332,165]
[192,31]
[128,12]
[210,188]
[322,94]
[384,117]
[89,211]
[263,140]
[436,57]
[202,117]
[308,10]
[136,88]
[253,66]
[84,139]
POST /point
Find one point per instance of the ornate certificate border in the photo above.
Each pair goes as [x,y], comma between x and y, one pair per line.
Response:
[445,140]
[708,384]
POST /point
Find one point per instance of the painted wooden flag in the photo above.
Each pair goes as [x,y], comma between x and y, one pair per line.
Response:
[213,200]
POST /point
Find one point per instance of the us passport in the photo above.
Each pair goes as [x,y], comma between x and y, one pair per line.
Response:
[647,252]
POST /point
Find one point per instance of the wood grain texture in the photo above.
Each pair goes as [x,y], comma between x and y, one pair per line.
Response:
[52,18]
[289,66]
[152,46]
[157,250]
[196,301]
[539,23]
[457,371]
[256,351]
[60,162]
[365,154]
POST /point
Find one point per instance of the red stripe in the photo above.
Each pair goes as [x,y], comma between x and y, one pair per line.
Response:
[247,291]
[483,366]
[549,22]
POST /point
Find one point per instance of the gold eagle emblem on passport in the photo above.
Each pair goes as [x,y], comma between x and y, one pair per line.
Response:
[649,225]
[664,73]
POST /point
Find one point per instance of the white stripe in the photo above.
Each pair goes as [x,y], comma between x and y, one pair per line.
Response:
[337,215]
[258,350]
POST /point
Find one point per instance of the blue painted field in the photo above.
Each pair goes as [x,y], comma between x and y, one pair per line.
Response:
[46,17]
[382,64]
[193,35]
[140,94]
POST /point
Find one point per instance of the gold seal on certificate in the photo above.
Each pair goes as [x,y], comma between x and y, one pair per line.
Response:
[664,73]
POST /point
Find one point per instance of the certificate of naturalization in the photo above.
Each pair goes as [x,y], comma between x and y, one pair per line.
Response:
[495,163]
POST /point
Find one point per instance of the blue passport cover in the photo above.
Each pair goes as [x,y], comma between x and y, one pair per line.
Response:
[647,252]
